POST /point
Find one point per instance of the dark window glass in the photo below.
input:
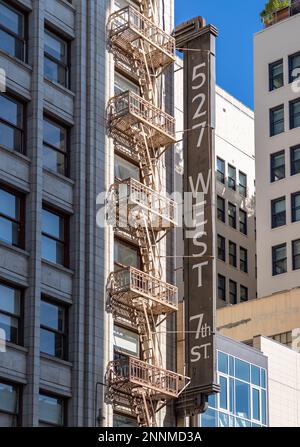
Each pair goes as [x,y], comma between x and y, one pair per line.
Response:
[296,207]
[295,160]
[11,123]
[56,59]
[221,208]
[223,393]
[221,248]
[51,410]
[255,375]
[295,114]
[294,67]
[243,293]
[11,216]
[55,150]
[10,313]
[124,421]
[242,370]
[278,212]
[242,399]
[232,292]
[12,24]
[243,222]
[276,75]
[231,177]
[9,405]
[277,166]
[126,255]
[53,329]
[220,170]
[222,362]
[279,256]
[242,184]
[296,255]
[221,287]
[277,120]
[232,215]
[243,260]
[54,243]
[232,254]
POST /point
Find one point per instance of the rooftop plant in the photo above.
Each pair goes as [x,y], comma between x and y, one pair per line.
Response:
[274,6]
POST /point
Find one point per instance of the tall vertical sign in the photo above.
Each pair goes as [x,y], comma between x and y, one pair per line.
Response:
[198,45]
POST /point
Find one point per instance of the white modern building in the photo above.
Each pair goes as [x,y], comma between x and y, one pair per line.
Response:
[277,129]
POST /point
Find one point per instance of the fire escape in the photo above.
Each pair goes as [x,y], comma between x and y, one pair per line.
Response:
[142,131]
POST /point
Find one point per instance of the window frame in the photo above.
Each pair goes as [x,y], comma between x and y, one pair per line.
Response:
[66,241]
[272,167]
[129,329]
[21,221]
[222,277]
[12,97]
[295,255]
[293,207]
[132,246]
[66,153]
[275,216]
[242,188]
[65,65]
[247,293]
[24,38]
[231,282]
[244,262]
[232,257]
[293,161]
[221,249]
[221,211]
[272,65]
[232,206]
[231,179]
[18,414]
[291,79]
[274,248]
[221,174]
[20,317]
[271,119]
[63,334]
[292,116]
[63,400]
[243,224]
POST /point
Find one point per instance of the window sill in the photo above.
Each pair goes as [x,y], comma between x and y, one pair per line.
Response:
[15,347]
[68,4]
[15,249]
[56,360]
[16,154]
[16,60]
[60,87]
[59,176]
[58,267]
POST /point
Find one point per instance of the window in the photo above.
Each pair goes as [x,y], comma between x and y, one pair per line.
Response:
[295,160]
[296,254]
[221,208]
[278,212]
[232,215]
[12,31]
[11,123]
[9,404]
[123,84]
[53,329]
[277,120]
[221,248]
[124,169]
[294,114]
[242,184]
[232,254]
[277,166]
[276,75]
[120,420]
[11,218]
[294,67]
[243,260]
[296,207]
[126,255]
[243,293]
[56,59]
[232,292]
[221,287]
[243,222]
[231,177]
[220,170]
[223,396]
[51,410]
[242,404]
[55,147]
[126,342]
[279,256]
[10,313]
[54,237]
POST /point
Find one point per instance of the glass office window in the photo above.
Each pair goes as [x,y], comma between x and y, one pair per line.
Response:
[124,169]
[278,166]
[276,75]
[295,160]
[209,418]
[277,120]
[51,410]
[12,31]
[242,184]
[296,254]
[243,222]
[221,209]
[255,375]
[221,248]
[56,59]
[55,147]
[232,254]
[220,170]
[232,215]
[10,312]
[242,404]
[222,362]
[243,260]
[54,237]
[232,177]
[295,207]
[222,287]
[11,123]
[243,293]
[11,218]
[294,67]
[53,329]
[223,396]
[9,404]
[242,370]
[278,208]
[295,114]
[279,257]
[232,292]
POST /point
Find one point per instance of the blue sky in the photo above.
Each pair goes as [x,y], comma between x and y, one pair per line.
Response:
[236,21]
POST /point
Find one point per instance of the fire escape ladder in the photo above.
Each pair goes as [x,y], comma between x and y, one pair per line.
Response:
[145,331]
[148,246]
